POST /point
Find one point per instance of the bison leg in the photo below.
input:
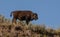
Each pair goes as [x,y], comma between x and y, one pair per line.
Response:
[14,20]
[27,22]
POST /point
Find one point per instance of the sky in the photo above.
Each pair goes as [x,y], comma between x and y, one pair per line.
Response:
[48,10]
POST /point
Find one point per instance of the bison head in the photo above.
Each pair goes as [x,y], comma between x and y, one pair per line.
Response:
[34,16]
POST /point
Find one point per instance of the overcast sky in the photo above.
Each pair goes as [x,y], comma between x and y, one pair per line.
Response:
[48,10]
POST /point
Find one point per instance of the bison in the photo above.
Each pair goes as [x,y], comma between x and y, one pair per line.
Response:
[24,15]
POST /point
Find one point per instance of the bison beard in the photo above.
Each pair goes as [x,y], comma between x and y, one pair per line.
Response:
[23,15]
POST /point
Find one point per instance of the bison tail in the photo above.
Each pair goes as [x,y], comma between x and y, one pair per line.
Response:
[11,14]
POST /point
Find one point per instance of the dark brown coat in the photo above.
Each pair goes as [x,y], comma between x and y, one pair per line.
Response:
[24,15]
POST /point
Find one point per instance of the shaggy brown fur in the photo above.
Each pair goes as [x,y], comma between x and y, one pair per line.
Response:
[24,15]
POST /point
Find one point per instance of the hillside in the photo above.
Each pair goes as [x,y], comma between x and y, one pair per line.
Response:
[7,29]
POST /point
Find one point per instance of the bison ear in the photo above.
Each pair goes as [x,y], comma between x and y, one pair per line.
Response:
[34,13]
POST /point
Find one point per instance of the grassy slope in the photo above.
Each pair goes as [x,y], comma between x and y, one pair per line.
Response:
[7,29]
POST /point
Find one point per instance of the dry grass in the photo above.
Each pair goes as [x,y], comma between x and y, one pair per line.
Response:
[7,29]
